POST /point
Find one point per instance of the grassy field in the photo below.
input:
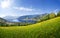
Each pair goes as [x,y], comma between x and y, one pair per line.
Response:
[46,29]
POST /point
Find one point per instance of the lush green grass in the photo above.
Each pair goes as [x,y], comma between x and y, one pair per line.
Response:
[46,29]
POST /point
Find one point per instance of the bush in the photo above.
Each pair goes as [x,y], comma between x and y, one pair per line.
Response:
[58,14]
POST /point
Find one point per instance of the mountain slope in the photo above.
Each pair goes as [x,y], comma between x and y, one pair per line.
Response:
[46,29]
[11,18]
[2,20]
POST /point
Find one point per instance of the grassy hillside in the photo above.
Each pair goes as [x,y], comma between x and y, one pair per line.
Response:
[46,29]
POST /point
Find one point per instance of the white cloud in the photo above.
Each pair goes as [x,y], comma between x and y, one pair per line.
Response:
[23,9]
[55,11]
[28,10]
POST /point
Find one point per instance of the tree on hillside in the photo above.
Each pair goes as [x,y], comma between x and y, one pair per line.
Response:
[52,15]
[58,14]
[44,17]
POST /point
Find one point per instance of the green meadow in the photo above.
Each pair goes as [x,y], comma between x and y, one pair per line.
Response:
[45,29]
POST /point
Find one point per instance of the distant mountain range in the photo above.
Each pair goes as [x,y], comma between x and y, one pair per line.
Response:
[26,18]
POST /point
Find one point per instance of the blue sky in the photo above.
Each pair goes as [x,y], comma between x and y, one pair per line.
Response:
[28,7]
